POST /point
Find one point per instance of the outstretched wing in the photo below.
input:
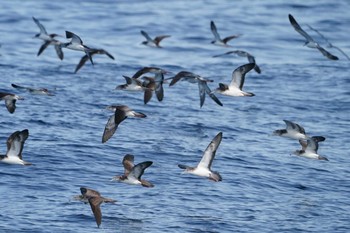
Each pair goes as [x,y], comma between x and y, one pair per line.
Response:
[209,153]
[128,163]
[297,28]
[15,143]
[75,38]
[238,75]
[148,38]
[214,31]
[139,169]
[41,27]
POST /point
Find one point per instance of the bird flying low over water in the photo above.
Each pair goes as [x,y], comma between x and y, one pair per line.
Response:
[76,44]
[310,147]
[15,147]
[10,100]
[120,114]
[37,91]
[202,85]
[132,174]
[49,39]
[91,52]
[95,200]
[204,166]
[237,82]
[158,79]
[310,42]
[241,53]
[217,39]
[153,42]
[293,131]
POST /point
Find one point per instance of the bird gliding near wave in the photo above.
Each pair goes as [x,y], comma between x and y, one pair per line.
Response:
[204,166]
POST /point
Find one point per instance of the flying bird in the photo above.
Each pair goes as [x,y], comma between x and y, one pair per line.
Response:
[95,200]
[217,39]
[293,131]
[120,114]
[10,100]
[158,78]
[153,42]
[49,39]
[132,174]
[15,147]
[77,44]
[202,85]
[241,53]
[310,147]
[36,91]
[310,42]
[237,82]
[204,166]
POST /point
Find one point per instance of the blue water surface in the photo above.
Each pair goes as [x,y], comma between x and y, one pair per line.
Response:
[264,187]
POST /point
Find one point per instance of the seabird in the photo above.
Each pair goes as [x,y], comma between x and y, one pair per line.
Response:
[120,114]
[204,166]
[217,39]
[76,44]
[10,100]
[92,52]
[132,174]
[159,79]
[242,53]
[86,193]
[237,82]
[309,148]
[292,130]
[95,200]
[202,85]
[37,91]
[15,147]
[153,42]
[49,39]
[310,42]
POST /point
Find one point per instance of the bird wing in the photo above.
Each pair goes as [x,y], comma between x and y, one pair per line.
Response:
[238,75]
[10,105]
[138,170]
[214,30]
[43,47]
[226,39]
[41,27]
[15,143]
[158,39]
[141,72]
[59,52]
[297,28]
[75,38]
[110,129]
[201,86]
[210,152]
[128,163]
[148,38]
[295,127]
[326,53]
[95,203]
[81,63]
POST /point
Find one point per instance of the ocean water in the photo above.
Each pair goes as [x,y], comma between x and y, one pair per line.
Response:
[264,187]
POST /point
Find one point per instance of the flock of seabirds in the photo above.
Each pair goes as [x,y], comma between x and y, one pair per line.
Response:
[154,84]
